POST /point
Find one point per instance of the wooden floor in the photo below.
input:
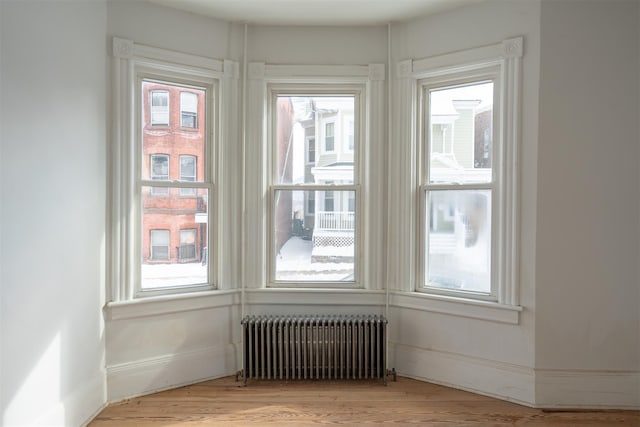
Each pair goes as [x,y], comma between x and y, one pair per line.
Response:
[224,402]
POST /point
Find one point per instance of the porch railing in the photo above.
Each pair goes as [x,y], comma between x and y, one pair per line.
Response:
[337,221]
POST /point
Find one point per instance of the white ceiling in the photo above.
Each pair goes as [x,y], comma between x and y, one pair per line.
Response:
[315,12]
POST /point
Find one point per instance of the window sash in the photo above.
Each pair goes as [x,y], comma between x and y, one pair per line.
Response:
[334,186]
[184,184]
[493,185]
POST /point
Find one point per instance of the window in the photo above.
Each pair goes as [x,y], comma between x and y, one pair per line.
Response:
[467,174]
[187,173]
[159,245]
[188,110]
[180,215]
[329,142]
[311,188]
[457,191]
[350,144]
[159,172]
[187,251]
[311,149]
[159,108]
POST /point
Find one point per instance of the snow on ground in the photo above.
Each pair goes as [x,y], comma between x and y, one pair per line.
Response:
[293,263]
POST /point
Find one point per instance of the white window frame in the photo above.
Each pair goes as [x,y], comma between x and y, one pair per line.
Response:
[155,111]
[369,82]
[358,92]
[132,64]
[501,62]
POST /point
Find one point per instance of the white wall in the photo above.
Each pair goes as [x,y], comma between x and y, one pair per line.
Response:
[588,219]
[155,344]
[579,329]
[481,355]
[53,84]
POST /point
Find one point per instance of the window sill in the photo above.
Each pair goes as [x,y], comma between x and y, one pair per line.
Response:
[455,306]
[166,304]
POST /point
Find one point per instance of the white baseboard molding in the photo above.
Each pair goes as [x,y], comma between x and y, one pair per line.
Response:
[501,380]
[579,389]
[147,376]
[77,408]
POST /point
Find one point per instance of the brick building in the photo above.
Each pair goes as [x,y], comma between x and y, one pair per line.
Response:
[173,149]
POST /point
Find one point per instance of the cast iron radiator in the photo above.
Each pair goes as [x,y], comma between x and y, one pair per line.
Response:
[314,347]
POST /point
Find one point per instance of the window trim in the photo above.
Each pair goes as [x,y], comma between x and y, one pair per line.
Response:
[358,91]
[131,63]
[489,73]
[506,57]
[256,268]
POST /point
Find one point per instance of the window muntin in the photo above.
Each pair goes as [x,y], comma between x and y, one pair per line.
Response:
[459,187]
[159,108]
[189,110]
[314,229]
[181,170]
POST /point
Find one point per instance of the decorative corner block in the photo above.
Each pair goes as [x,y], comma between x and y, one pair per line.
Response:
[231,69]
[376,71]
[512,48]
[122,48]
[405,68]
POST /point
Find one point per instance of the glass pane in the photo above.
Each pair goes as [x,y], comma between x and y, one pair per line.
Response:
[172,141]
[314,236]
[174,238]
[459,240]
[314,139]
[461,134]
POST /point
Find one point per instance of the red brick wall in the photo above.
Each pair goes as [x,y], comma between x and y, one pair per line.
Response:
[173,212]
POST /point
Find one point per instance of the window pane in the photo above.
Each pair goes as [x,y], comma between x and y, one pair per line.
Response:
[318,244]
[303,120]
[460,134]
[173,141]
[459,240]
[174,238]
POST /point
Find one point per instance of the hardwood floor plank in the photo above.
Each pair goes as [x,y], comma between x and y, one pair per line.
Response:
[225,402]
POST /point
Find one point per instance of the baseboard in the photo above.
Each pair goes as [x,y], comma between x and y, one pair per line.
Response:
[581,389]
[504,381]
[77,408]
[147,376]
